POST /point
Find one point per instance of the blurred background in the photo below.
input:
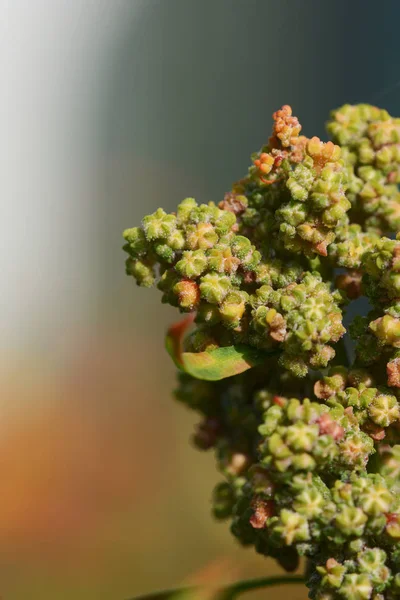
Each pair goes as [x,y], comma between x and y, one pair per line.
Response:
[110,110]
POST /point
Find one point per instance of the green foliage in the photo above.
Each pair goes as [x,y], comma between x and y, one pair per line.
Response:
[308,445]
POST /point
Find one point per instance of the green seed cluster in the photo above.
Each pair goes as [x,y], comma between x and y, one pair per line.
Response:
[197,259]
[308,436]
[286,507]
[297,480]
[308,441]
[350,246]
[370,139]
[310,496]
[375,409]
[318,203]
[349,531]
[305,317]
[202,264]
[359,557]
[378,334]
[295,196]
[231,413]
[381,265]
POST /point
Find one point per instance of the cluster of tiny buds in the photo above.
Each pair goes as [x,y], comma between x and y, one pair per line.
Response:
[307,490]
[370,139]
[204,265]
[307,440]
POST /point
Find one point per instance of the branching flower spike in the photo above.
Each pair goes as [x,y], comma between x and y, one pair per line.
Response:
[307,441]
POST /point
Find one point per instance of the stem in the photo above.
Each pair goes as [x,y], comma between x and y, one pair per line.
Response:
[230,591]
[241,587]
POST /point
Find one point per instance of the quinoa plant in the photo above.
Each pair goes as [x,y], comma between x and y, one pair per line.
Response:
[306,440]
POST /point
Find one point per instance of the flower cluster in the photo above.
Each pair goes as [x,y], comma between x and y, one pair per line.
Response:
[351,244]
[294,193]
[375,409]
[240,296]
[360,552]
[378,334]
[296,474]
[370,139]
[307,441]
[304,316]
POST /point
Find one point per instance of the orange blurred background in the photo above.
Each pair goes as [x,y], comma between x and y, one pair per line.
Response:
[113,109]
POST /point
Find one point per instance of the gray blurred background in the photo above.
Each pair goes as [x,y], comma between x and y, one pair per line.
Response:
[112,109]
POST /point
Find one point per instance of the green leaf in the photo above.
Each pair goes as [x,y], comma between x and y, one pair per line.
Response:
[221,362]
[174,339]
[213,365]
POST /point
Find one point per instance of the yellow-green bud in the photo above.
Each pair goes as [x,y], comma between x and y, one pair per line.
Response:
[214,287]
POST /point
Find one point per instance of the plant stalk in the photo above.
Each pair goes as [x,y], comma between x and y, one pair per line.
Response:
[228,592]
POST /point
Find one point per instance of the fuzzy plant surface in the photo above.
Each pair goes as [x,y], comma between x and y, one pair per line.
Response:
[306,440]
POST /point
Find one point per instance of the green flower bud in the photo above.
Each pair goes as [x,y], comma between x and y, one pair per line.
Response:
[331,384]
[356,587]
[141,271]
[300,182]
[214,287]
[351,521]
[201,237]
[205,213]
[300,436]
[222,260]
[332,573]
[192,264]
[176,240]
[376,499]
[355,449]
[297,366]
[387,330]
[351,245]
[158,225]
[224,222]
[164,252]
[384,410]
[136,242]
[291,527]
[208,313]
[372,561]
[184,210]
[310,502]
[294,213]
[241,246]
[233,307]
